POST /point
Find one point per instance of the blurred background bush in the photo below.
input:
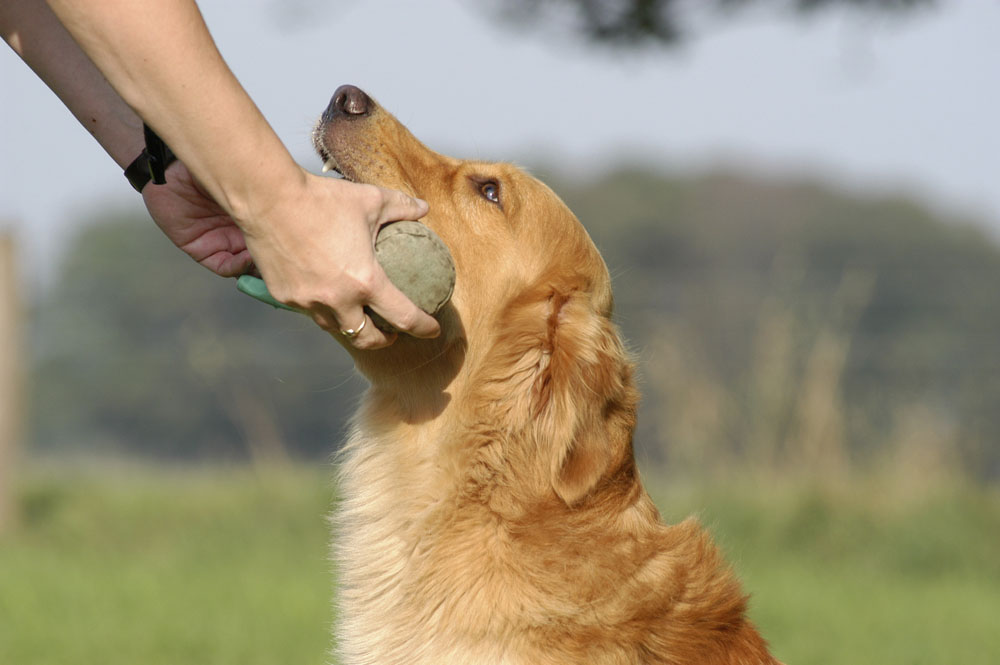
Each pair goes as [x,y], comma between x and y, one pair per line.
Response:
[777,325]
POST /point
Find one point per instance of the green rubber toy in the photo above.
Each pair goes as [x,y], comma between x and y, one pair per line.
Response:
[256,288]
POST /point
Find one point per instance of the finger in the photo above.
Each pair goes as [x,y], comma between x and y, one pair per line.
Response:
[229,265]
[358,336]
[324,318]
[393,306]
[363,335]
[398,206]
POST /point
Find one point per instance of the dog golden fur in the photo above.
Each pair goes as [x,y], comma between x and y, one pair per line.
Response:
[491,510]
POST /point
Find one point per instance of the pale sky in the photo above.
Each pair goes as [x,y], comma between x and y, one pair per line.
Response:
[866,102]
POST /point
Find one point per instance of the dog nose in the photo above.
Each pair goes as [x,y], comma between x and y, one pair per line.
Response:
[349,100]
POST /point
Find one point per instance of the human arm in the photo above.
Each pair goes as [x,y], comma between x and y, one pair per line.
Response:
[37,36]
[312,238]
[185,213]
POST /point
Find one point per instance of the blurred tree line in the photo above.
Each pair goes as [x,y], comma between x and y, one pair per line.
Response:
[790,326]
[781,325]
[627,24]
[137,350]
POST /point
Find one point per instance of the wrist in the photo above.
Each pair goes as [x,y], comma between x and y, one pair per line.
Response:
[262,202]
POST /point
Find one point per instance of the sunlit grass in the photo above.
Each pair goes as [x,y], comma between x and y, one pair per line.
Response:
[859,573]
[158,568]
[227,566]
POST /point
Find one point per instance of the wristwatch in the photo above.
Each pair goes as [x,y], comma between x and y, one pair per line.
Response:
[152,162]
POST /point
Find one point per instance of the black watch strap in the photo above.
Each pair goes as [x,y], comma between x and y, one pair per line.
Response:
[152,162]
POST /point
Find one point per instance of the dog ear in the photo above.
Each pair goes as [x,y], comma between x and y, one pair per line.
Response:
[584,398]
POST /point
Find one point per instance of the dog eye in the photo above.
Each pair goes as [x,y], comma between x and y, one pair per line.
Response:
[491,191]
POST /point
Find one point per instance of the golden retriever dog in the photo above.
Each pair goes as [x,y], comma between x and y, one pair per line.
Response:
[491,509]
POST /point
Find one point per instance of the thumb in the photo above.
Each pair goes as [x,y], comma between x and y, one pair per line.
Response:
[398,206]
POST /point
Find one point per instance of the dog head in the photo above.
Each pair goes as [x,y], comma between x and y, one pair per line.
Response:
[528,331]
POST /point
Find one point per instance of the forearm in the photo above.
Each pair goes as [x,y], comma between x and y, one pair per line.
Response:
[37,36]
[159,56]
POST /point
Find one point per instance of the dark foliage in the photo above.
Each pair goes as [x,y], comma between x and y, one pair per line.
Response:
[632,23]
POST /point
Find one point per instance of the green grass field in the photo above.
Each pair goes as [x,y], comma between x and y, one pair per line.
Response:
[136,566]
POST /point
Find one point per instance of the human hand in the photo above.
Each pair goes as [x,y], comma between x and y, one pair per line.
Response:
[314,247]
[196,223]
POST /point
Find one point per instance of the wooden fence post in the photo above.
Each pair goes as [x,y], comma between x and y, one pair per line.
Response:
[11,376]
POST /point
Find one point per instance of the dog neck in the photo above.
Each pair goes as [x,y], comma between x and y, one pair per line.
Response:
[413,381]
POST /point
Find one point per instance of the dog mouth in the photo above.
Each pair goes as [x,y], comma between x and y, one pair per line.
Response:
[330,163]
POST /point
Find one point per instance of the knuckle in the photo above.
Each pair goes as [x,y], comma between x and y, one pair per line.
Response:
[325,322]
[287,296]
[366,283]
[372,196]
[368,343]
[407,320]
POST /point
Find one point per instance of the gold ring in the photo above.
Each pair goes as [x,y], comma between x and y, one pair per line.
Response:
[351,333]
